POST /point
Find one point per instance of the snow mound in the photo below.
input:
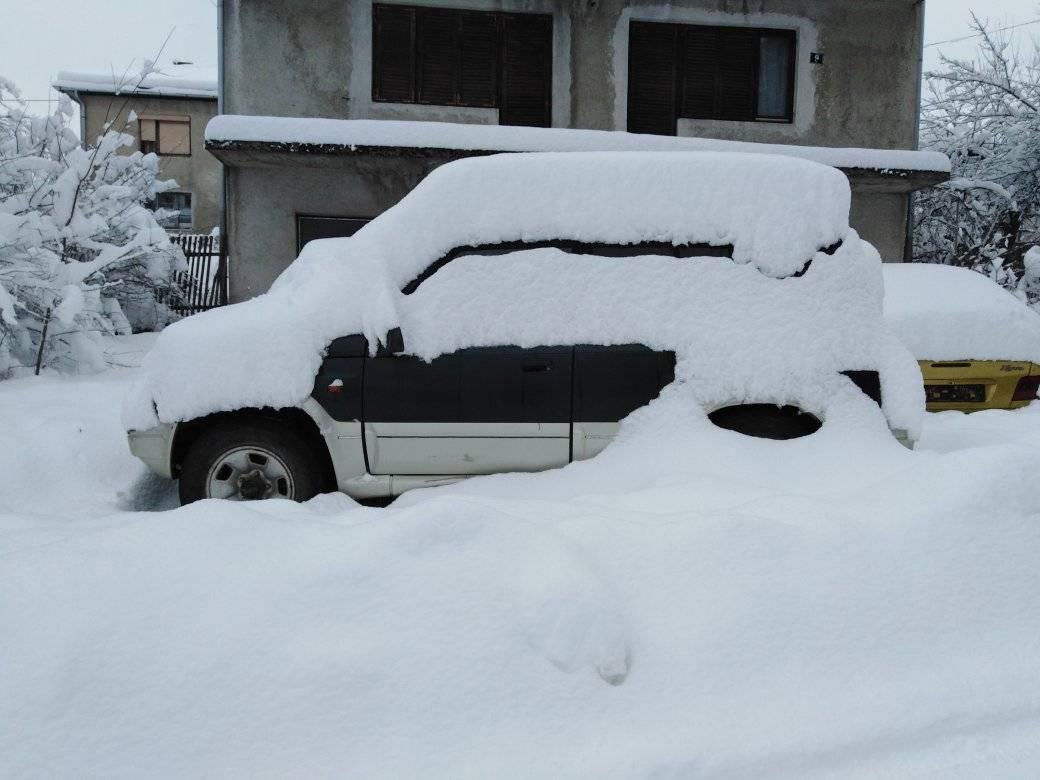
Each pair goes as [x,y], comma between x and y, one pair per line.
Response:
[779,334]
[946,313]
[229,128]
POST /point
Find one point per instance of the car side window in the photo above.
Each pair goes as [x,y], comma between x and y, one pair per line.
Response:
[598,249]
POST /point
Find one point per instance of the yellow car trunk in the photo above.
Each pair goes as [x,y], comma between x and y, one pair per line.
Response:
[971,385]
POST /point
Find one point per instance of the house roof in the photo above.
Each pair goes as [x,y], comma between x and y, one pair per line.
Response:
[191,83]
[312,136]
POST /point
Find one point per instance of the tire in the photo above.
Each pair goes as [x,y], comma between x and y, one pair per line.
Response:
[250,460]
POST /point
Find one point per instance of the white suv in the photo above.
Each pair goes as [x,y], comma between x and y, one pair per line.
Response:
[519,340]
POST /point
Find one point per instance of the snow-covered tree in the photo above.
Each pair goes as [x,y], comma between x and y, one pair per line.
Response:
[984,113]
[77,244]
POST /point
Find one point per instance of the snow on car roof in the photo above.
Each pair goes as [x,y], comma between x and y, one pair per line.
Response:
[946,313]
[775,212]
[189,83]
[230,128]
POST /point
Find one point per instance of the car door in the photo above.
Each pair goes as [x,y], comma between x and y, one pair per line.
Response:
[474,411]
[609,384]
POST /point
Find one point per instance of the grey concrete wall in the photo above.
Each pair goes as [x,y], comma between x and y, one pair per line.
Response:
[880,218]
[198,173]
[313,58]
[264,202]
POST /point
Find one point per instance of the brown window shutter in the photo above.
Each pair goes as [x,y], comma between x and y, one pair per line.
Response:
[393,47]
[738,71]
[651,78]
[436,33]
[526,92]
[698,67]
[478,66]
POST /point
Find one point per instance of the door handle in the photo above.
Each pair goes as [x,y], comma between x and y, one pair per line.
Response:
[537,366]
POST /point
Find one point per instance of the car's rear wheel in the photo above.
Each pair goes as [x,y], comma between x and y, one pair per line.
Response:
[249,461]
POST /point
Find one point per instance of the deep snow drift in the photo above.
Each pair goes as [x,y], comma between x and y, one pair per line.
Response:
[751,328]
[689,603]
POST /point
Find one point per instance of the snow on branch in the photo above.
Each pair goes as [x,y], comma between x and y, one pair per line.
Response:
[77,243]
[984,113]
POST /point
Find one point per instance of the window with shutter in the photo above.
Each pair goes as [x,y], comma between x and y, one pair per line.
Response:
[436,32]
[526,70]
[737,71]
[453,57]
[724,73]
[393,49]
[165,134]
[651,78]
[700,52]
[478,59]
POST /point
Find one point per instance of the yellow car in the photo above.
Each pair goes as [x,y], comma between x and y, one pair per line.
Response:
[977,344]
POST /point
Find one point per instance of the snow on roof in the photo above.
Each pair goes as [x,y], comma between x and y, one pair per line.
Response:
[946,313]
[348,133]
[776,212]
[189,83]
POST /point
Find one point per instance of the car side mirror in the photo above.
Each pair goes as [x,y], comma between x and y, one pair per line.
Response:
[394,341]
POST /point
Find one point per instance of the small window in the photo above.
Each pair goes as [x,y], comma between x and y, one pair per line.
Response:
[739,74]
[165,135]
[603,250]
[177,208]
[454,57]
[309,228]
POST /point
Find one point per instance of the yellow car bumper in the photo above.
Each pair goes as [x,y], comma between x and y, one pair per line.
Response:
[973,385]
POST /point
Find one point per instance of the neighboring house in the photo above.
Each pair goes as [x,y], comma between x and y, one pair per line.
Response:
[803,73]
[168,116]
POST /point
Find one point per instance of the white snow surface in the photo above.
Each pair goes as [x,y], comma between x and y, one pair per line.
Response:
[782,338]
[196,82]
[469,137]
[690,603]
[946,313]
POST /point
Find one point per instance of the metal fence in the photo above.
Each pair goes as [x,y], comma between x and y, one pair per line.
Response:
[205,282]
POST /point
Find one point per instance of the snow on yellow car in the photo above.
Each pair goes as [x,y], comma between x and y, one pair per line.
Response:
[977,344]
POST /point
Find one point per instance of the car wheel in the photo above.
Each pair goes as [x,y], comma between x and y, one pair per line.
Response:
[249,461]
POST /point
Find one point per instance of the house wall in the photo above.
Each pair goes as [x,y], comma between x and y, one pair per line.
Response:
[864,93]
[198,173]
[264,201]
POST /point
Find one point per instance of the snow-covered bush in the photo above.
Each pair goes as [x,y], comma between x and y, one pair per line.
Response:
[76,241]
[984,114]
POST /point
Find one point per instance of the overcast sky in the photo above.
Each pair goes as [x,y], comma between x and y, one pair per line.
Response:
[40,37]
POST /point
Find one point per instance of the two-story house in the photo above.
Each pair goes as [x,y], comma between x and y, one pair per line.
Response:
[166,115]
[834,80]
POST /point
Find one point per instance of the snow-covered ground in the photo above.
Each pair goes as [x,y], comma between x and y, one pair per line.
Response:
[699,605]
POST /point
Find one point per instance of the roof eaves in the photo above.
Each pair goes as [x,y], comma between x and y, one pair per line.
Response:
[910,178]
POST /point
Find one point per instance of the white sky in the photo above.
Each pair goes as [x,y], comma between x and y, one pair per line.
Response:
[40,37]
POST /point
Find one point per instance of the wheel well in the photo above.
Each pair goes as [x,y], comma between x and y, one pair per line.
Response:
[188,432]
[766,421]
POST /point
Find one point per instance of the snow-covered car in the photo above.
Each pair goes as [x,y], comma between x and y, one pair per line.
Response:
[977,344]
[512,310]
